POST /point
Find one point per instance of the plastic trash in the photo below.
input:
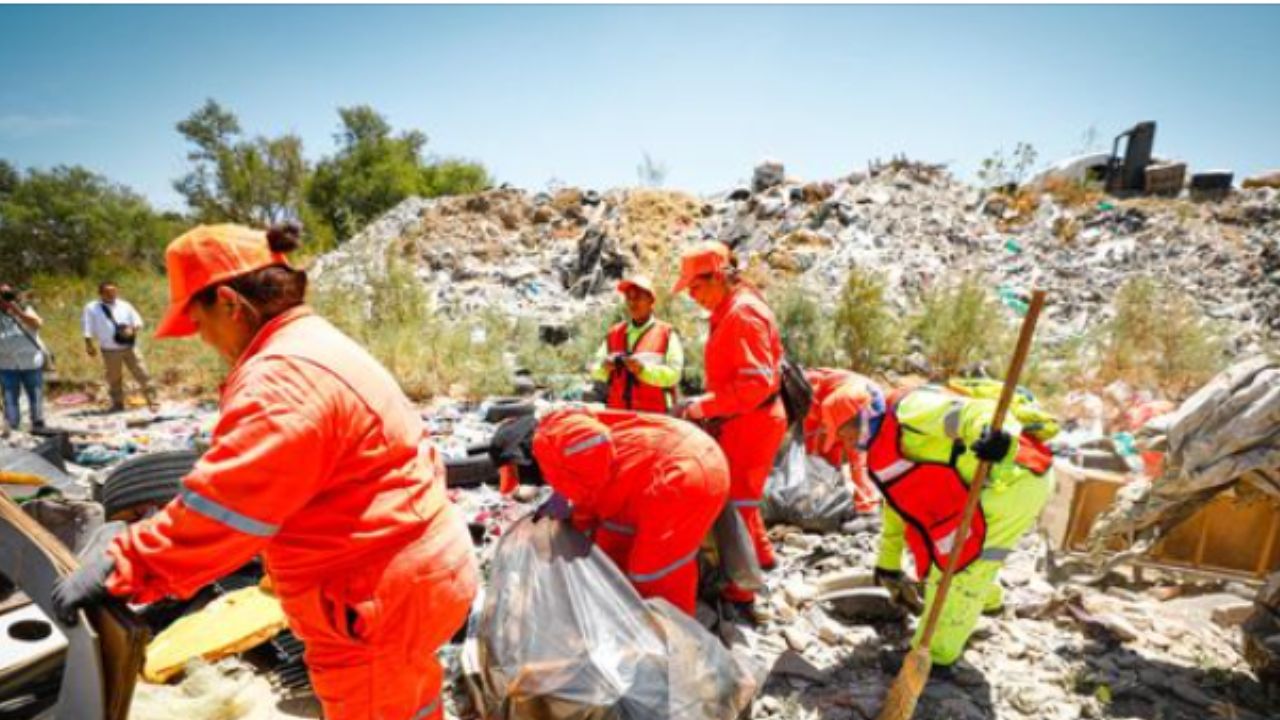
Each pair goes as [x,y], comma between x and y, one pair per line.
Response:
[734,551]
[806,491]
[562,635]
[1012,299]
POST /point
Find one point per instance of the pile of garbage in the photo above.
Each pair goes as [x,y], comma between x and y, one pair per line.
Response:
[546,256]
[825,642]
[552,256]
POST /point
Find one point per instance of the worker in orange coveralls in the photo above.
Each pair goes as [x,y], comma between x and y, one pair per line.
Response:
[319,463]
[647,488]
[742,407]
[832,391]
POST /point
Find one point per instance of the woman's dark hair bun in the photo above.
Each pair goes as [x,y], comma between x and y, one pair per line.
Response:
[285,237]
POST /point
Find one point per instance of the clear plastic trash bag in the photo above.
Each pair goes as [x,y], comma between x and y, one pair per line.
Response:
[562,635]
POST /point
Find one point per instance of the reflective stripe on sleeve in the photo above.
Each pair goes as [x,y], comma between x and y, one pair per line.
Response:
[221,513]
[659,574]
[895,470]
[618,528]
[427,710]
[951,421]
[585,445]
[762,371]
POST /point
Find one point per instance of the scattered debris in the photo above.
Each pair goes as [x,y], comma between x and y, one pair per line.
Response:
[227,626]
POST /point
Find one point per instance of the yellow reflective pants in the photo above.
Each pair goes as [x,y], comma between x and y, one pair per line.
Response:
[1011,511]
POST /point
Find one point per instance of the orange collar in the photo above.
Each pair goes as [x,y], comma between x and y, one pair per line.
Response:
[265,333]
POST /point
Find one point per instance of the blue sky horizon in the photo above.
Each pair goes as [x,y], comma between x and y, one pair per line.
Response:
[578,94]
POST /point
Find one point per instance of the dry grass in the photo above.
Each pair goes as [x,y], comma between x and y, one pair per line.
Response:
[1158,339]
[429,355]
[1024,203]
[652,218]
[1073,193]
[181,366]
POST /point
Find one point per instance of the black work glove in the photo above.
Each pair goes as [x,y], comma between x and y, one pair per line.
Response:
[556,507]
[82,589]
[993,445]
[901,589]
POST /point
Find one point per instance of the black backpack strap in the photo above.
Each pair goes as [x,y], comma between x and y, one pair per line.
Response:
[110,318]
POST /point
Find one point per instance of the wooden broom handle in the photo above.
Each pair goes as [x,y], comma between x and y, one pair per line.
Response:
[980,475]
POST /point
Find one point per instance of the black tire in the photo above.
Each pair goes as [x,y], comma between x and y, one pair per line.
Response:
[507,407]
[471,471]
[148,479]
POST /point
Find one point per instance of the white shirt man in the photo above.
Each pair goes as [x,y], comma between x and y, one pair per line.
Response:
[107,322]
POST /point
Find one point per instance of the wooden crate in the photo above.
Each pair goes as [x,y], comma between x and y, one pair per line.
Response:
[1229,535]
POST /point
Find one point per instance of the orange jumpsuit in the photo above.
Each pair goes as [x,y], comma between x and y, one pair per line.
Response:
[743,360]
[824,382]
[648,491]
[319,463]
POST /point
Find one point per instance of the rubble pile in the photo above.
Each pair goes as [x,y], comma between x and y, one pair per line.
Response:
[553,256]
[545,256]
[1063,650]
[1059,649]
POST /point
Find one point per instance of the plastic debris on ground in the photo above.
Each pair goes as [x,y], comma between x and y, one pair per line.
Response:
[229,625]
[806,491]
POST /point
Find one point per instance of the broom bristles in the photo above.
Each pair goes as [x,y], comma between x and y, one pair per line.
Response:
[900,703]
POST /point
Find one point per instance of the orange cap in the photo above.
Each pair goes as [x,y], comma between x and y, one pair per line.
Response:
[708,256]
[205,255]
[840,407]
[637,281]
[575,453]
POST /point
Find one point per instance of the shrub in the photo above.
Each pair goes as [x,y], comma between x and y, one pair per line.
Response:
[1158,337]
[960,326]
[867,330]
[429,355]
[808,333]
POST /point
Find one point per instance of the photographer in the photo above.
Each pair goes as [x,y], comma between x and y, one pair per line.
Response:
[113,324]
[22,359]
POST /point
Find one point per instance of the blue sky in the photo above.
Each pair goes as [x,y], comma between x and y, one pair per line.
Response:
[579,93]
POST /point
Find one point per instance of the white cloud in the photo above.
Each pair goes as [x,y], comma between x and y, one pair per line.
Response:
[19,125]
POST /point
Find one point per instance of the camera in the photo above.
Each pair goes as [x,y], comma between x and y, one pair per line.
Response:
[9,296]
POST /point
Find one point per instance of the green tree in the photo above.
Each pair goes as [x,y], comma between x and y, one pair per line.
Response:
[71,220]
[9,178]
[255,181]
[374,169]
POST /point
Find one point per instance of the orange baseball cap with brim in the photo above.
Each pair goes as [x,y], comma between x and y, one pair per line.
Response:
[637,281]
[839,408]
[205,255]
[706,257]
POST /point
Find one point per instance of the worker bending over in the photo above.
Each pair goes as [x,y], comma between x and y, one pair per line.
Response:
[646,487]
[835,393]
[922,454]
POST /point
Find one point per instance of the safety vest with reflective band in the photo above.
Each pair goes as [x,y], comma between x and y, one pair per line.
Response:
[628,392]
[930,496]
